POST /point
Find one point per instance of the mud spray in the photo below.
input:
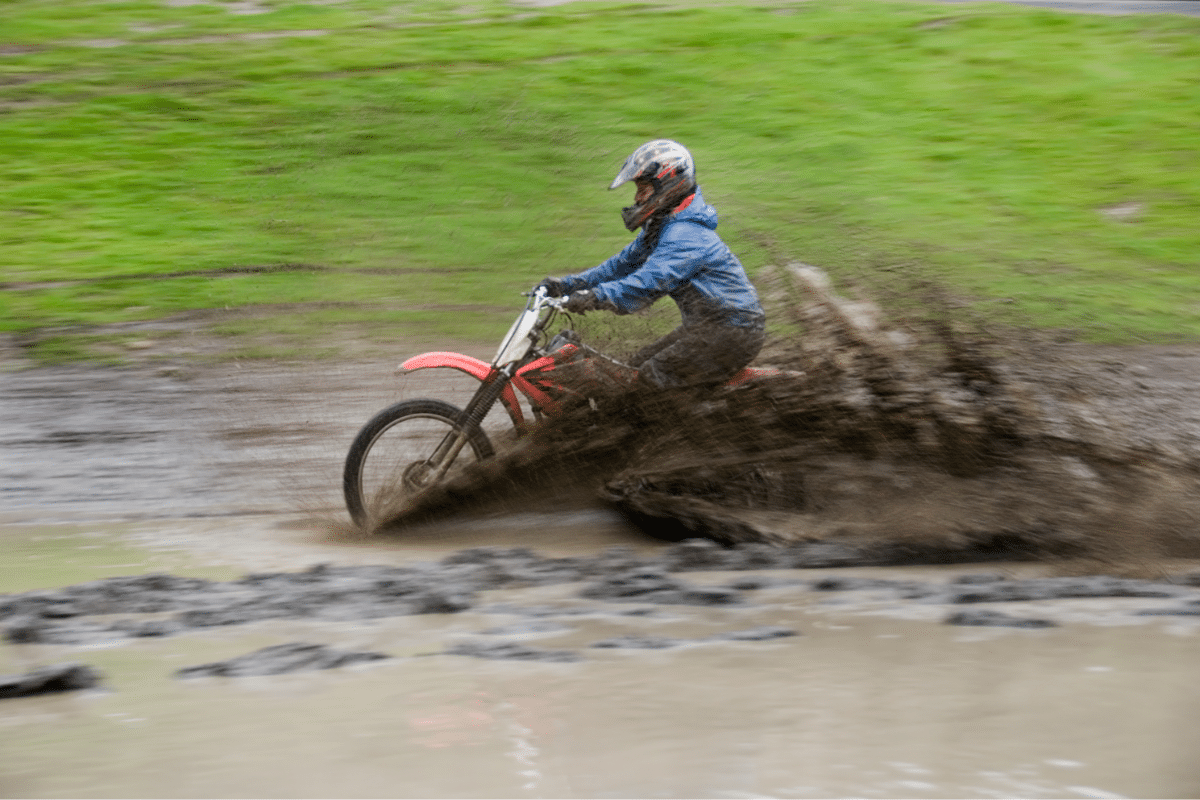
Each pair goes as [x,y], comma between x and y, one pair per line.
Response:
[906,440]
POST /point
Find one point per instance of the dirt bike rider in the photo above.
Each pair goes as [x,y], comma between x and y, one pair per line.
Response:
[677,253]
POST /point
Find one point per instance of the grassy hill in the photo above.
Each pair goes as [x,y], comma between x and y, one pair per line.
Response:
[393,167]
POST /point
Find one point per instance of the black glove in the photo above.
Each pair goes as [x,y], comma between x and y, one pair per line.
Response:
[555,287]
[581,302]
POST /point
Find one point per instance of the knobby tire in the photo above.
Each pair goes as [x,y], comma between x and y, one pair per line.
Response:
[368,439]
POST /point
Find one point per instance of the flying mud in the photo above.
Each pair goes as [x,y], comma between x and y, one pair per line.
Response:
[903,437]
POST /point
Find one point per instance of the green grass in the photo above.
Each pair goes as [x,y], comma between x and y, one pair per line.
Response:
[419,156]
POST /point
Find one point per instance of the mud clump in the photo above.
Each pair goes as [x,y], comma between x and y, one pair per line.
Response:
[536,626]
[117,610]
[50,680]
[997,619]
[1058,589]
[641,641]
[763,634]
[163,605]
[511,652]
[323,592]
[1002,590]
[902,437]
[182,604]
[279,659]
[650,585]
[1192,610]
[635,642]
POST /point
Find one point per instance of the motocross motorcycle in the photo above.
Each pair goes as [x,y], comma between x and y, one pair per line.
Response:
[414,444]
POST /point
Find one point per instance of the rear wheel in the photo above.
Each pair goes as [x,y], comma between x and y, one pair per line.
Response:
[394,455]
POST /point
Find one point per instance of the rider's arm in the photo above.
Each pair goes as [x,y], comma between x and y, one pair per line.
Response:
[620,265]
[682,251]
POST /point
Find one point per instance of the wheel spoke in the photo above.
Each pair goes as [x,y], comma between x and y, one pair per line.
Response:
[403,449]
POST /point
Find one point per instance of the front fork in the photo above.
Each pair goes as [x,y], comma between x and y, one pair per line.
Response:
[485,397]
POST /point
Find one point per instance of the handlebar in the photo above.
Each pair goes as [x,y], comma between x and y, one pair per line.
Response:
[538,296]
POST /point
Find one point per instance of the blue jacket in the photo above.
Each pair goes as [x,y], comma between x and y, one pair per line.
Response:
[690,263]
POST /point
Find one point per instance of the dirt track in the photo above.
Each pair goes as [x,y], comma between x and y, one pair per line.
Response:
[173,439]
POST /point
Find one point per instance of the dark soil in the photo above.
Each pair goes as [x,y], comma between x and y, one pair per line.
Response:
[123,609]
[163,605]
[635,642]
[506,651]
[642,642]
[50,680]
[653,585]
[997,619]
[280,658]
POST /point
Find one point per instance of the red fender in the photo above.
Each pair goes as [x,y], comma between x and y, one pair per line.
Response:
[750,373]
[537,398]
[442,359]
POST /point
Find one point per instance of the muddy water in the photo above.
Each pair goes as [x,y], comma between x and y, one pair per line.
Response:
[859,705]
[873,699]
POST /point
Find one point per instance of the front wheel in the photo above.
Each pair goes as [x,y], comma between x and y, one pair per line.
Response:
[405,448]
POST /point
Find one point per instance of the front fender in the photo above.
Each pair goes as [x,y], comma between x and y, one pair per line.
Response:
[441,359]
[751,373]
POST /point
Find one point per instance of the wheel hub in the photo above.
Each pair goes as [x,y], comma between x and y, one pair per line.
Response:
[417,474]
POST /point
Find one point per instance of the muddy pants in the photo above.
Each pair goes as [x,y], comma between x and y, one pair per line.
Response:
[694,355]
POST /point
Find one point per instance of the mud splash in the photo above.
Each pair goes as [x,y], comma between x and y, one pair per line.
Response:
[905,437]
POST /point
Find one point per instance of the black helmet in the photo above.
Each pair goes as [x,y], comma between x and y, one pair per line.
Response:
[669,168]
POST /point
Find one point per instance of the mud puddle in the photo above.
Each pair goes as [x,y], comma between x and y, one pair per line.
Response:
[854,705]
[693,671]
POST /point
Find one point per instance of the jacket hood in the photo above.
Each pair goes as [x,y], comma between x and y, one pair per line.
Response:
[698,211]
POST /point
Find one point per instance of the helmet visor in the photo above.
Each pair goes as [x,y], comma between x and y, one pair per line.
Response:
[628,172]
